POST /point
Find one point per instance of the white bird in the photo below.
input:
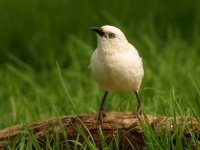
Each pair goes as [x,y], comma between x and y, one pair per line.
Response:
[116,65]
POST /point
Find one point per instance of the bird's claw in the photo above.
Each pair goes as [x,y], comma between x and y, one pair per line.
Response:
[101,114]
[138,111]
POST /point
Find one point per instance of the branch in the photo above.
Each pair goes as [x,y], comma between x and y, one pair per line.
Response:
[128,126]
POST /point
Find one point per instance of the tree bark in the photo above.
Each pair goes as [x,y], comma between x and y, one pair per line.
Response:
[130,129]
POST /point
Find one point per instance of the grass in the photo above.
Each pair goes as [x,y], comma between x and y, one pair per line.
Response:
[46,49]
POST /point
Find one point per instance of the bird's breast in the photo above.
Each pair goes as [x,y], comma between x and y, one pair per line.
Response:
[117,71]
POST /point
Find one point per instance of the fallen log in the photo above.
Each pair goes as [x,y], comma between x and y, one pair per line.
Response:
[130,129]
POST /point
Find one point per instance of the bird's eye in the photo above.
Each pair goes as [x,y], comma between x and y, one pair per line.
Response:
[111,36]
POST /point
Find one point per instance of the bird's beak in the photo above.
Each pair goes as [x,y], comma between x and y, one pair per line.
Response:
[98,30]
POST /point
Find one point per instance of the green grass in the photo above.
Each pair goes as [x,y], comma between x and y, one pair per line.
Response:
[45,49]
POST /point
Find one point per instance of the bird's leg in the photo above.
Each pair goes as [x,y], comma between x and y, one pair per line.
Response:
[102,110]
[139,108]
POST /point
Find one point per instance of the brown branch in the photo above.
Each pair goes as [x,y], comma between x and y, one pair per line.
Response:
[128,126]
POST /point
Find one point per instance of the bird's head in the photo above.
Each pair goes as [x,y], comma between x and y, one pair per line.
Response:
[110,36]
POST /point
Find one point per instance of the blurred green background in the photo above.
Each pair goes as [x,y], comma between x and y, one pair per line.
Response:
[39,38]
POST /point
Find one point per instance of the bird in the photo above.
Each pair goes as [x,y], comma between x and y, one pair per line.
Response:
[115,65]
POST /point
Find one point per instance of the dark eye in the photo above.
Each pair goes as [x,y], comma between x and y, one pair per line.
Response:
[111,36]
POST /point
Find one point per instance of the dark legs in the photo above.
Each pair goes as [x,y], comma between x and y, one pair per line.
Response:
[139,108]
[102,110]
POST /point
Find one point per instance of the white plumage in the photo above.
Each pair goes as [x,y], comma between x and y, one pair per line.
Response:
[115,64]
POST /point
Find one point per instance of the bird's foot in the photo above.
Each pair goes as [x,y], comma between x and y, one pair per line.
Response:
[138,111]
[101,114]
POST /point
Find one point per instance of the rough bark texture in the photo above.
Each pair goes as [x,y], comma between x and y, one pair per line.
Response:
[128,126]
